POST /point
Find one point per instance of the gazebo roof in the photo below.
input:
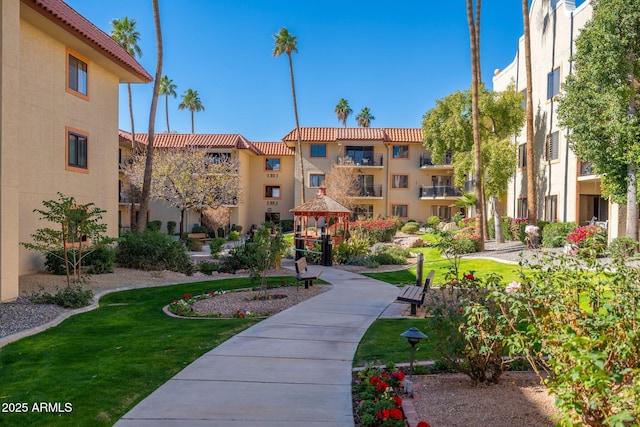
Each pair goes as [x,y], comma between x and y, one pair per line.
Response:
[320,205]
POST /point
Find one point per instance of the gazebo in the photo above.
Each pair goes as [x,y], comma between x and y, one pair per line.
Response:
[325,208]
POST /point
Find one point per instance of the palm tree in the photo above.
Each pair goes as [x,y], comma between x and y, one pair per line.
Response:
[474,32]
[364,118]
[532,197]
[124,32]
[146,185]
[191,101]
[287,43]
[343,111]
[167,87]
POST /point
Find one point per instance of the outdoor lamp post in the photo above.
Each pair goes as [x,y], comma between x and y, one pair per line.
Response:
[413,335]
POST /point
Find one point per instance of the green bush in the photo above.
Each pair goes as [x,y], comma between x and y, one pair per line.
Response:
[356,246]
[152,251]
[286,225]
[200,229]
[68,297]
[208,267]
[433,222]
[622,247]
[193,245]
[234,236]
[410,228]
[391,255]
[554,235]
[99,259]
[171,227]
[154,225]
[216,246]
[237,228]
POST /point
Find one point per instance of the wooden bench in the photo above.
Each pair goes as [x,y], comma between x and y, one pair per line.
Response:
[199,236]
[415,294]
[303,273]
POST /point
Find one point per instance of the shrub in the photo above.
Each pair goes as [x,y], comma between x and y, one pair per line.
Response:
[68,297]
[234,236]
[622,247]
[392,255]
[151,250]
[237,228]
[286,225]
[590,239]
[216,246]
[208,267]
[379,230]
[171,227]
[193,245]
[345,252]
[376,394]
[410,228]
[516,228]
[99,259]
[554,235]
[433,222]
[154,225]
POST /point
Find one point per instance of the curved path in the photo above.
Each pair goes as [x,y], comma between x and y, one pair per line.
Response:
[291,369]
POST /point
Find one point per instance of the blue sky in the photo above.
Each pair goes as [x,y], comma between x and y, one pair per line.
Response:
[395,57]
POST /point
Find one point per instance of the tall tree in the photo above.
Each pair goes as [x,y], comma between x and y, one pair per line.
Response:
[191,101]
[167,87]
[532,196]
[365,118]
[148,169]
[343,111]
[601,104]
[474,31]
[287,43]
[124,32]
[342,185]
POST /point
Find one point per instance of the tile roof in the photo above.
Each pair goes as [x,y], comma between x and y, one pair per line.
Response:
[321,203]
[318,134]
[203,140]
[67,18]
[274,148]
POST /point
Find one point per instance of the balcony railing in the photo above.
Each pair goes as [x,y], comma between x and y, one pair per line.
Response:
[426,161]
[439,191]
[586,169]
[370,191]
[364,161]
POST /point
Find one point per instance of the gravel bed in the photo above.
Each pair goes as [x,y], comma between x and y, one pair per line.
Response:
[21,315]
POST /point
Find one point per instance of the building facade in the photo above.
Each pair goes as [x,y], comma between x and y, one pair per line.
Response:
[567,188]
[59,83]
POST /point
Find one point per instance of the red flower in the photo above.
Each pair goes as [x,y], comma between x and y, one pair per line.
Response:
[423,424]
[398,375]
[385,375]
[187,296]
[395,414]
[374,380]
[397,400]
[469,276]
[175,301]
[382,386]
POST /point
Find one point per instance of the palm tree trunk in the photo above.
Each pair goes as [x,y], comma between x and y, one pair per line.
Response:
[166,105]
[532,197]
[475,114]
[146,186]
[295,112]
[132,207]
[193,126]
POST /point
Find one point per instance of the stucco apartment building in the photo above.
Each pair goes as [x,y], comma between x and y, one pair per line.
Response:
[567,188]
[59,81]
[396,175]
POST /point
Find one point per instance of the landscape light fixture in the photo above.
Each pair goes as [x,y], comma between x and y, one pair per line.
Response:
[413,335]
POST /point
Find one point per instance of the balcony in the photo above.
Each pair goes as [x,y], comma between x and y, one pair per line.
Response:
[370,191]
[367,160]
[586,172]
[439,191]
[426,161]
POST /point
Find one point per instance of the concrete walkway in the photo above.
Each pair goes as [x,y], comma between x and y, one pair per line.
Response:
[291,369]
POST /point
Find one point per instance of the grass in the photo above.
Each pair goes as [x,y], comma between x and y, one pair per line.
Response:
[433,261]
[105,361]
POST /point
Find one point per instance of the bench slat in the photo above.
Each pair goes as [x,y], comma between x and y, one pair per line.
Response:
[415,294]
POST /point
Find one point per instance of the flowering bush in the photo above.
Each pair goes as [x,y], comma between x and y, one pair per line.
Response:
[379,404]
[590,239]
[378,230]
[466,241]
[516,228]
[184,305]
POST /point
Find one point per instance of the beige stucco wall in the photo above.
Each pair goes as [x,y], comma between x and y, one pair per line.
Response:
[553,33]
[256,205]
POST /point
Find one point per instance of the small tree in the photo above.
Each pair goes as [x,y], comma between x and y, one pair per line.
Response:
[342,185]
[263,252]
[216,219]
[78,227]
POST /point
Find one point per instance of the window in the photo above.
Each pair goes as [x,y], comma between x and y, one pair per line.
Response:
[77,75]
[273,217]
[272,192]
[318,150]
[522,207]
[399,181]
[359,155]
[77,151]
[552,146]
[400,152]
[361,212]
[551,208]
[524,99]
[272,164]
[401,211]
[316,179]
[522,155]
[553,83]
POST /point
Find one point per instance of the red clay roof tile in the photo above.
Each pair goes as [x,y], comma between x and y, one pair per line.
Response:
[70,20]
[317,134]
[274,149]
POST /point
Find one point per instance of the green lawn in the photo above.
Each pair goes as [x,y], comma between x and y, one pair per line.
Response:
[105,361]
